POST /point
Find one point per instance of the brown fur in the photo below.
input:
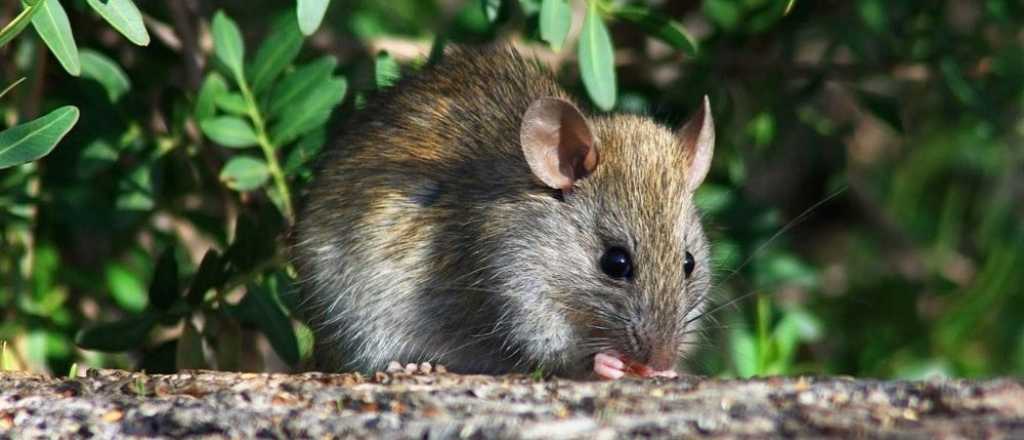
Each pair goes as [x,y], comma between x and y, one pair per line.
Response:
[425,236]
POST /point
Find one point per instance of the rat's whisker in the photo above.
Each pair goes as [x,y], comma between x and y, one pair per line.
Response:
[789,225]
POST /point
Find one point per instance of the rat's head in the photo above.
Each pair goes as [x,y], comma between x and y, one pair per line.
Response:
[607,270]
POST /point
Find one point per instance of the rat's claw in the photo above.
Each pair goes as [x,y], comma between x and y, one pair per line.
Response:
[612,365]
[609,365]
[670,374]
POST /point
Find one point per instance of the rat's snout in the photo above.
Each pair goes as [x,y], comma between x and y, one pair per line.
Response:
[652,348]
[661,358]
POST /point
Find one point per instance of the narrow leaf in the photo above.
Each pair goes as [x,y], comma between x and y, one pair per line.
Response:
[135,191]
[744,352]
[301,82]
[305,150]
[20,22]
[35,139]
[163,288]
[126,334]
[278,51]
[228,44]
[555,21]
[659,26]
[98,67]
[250,246]
[310,14]
[386,70]
[597,60]
[232,103]
[317,108]
[244,173]
[126,288]
[124,16]
[492,8]
[51,23]
[261,309]
[229,131]
[209,275]
[213,86]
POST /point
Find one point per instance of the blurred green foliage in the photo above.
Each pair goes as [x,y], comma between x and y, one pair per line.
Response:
[864,202]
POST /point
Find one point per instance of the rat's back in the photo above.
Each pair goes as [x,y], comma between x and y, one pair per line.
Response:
[389,219]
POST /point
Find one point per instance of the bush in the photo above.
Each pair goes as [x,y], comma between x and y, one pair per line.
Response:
[863,202]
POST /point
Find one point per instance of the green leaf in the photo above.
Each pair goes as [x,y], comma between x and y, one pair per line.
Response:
[492,8]
[97,156]
[725,13]
[228,44]
[98,67]
[163,288]
[209,275]
[789,7]
[260,308]
[597,59]
[229,131]
[36,138]
[20,22]
[555,21]
[213,86]
[807,326]
[310,14]
[244,173]
[316,110]
[298,84]
[124,16]
[250,247]
[188,354]
[712,198]
[386,70]
[279,49]
[232,103]
[51,23]
[659,26]
[744,352]
[126,334]
[135,191]
[305,150]
[307,342]
[126,288]
[762,128]
[774,270]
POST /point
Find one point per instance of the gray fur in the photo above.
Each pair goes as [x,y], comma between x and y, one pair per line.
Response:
[425,237]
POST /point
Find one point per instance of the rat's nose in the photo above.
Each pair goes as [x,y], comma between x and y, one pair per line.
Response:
[661,359]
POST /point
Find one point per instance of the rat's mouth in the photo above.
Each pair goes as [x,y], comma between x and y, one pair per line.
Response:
[613,365]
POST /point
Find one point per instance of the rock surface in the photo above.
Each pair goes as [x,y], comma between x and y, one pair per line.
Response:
[119,404]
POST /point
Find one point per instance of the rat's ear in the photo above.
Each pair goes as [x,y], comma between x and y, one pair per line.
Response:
[557,142]
[697,139]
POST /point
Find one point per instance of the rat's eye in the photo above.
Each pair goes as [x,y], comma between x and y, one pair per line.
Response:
[689,264]
[616,263]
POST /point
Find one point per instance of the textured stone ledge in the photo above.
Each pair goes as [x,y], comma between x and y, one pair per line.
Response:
[119,404]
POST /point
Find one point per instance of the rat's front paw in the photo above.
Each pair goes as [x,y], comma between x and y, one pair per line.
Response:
[411,368]
[613,365]
[609,365]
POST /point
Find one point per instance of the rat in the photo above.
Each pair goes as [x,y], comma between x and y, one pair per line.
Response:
[473,216]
